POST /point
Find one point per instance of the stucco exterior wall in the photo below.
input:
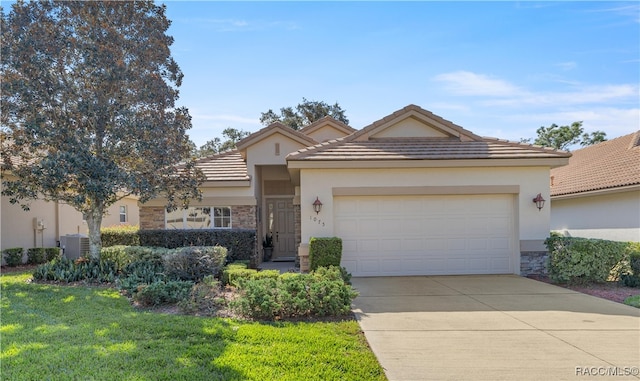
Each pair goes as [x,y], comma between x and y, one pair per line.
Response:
[614,216]
[532,225]
[60,219]
[112,218]
[17,224]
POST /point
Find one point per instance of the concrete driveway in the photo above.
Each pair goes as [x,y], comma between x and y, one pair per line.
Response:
[501,327]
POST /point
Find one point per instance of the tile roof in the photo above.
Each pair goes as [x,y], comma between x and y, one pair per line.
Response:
[423,149]
[611,164]
[226,166]
[460,145]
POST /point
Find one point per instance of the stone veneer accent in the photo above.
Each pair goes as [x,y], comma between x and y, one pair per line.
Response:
[242,217]
[152,217]
[533,263]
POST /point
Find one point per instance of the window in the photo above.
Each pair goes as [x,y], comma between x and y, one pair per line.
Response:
[222,217]
[217,217]
[123,213]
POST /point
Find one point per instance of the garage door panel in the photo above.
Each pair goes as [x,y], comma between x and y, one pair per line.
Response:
[424,235]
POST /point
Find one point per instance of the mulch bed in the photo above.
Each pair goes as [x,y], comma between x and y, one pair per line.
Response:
[608,290]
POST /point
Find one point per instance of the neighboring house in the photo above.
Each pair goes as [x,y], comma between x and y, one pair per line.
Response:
[597,195]
[20,228]
[411,194]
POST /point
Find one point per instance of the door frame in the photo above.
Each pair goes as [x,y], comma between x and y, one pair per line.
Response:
[269,229]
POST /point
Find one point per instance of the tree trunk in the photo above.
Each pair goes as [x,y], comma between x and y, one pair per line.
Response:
[94,222]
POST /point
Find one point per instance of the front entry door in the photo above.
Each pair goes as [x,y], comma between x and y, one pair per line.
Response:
[282,227]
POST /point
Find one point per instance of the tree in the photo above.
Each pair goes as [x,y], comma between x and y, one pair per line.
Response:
[88,108]
[216,145]
[304,114]
[562,137]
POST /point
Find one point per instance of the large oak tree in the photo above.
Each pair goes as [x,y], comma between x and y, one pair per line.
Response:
[88,107]
[304,114]
[563,137]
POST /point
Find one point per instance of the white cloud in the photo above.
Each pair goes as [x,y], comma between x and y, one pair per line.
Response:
[567,65]
[499,92]
[614,121]
[581,96]
[468,83]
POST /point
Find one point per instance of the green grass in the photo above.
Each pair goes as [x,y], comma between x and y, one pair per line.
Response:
[633,301]
[53,332]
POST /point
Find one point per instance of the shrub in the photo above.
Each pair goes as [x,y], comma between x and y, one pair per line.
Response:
[140,273]
[116,254]
[579,260]
[13,256]
[324,252]
[630,280]
[634,258]
[321,293]
[259,299]
[36,255]
[194,263]
[294,296]
[240,243]
[203,297]
[236,276]
[52,253]
[163,292]
[82,269]
[142,253]
[273,274]
[120,235]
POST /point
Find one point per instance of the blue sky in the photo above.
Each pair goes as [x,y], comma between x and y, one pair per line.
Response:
[499,69]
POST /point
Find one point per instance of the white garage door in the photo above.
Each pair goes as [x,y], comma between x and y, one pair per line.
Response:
[426,235]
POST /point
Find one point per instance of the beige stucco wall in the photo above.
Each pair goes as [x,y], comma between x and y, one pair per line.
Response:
[112,218]
[17,224]
[264,152]
[614,216]
[531,223]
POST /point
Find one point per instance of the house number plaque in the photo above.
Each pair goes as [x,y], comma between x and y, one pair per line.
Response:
[316,220]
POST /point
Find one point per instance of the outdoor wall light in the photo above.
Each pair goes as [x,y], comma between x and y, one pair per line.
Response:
[317,205]
[539,201]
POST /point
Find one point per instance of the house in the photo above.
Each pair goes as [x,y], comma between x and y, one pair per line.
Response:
[410,194]
[597,195]
[46,221]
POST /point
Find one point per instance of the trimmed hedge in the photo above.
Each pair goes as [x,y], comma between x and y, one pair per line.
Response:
[319,293]
[324,252]
[582,260]
[194,263]
[126,235]
[52,253]
[13,256]
[240,243]
[36,255]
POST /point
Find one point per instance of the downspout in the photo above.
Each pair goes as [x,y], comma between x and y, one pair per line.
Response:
[57,223]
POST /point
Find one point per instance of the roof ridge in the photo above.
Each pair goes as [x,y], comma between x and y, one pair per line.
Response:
[520,144]
[426,113]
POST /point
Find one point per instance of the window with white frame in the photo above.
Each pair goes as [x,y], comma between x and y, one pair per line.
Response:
[123,213]
[215,217]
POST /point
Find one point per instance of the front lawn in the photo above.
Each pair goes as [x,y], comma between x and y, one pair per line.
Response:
[53,332]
